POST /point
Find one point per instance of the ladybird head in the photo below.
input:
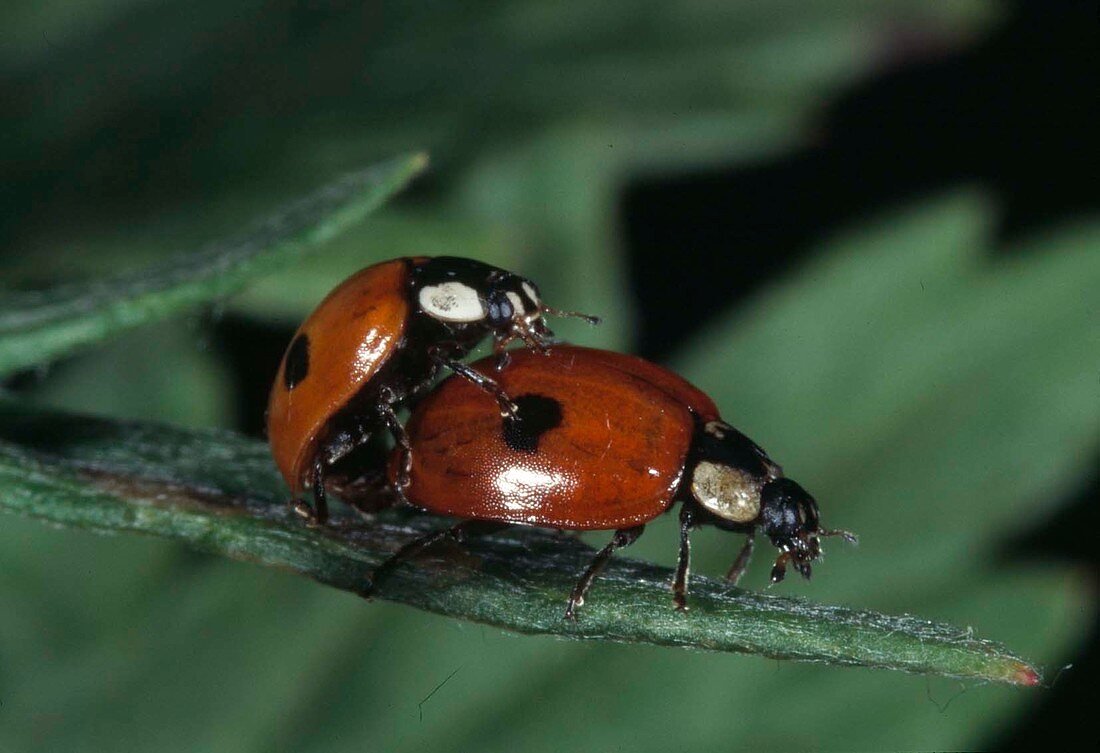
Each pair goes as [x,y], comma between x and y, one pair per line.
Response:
[513,302]
[467,292]
[733,479]
[789,517]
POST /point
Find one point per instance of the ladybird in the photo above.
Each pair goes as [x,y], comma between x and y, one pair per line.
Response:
[600,441]
[375,343]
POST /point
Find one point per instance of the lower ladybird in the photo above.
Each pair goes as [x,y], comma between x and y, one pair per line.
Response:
[600,441]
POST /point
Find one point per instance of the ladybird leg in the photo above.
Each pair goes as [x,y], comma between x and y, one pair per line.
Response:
[737,569]
[623,537]
[318,514]
[457,533]
[503,357]
[401,437]
[507,407]
[302,509]
[406,552]
[320,497]
[683,562]
[779,570]
[534,340]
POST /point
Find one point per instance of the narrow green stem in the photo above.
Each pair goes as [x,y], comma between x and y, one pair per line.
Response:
[219,492]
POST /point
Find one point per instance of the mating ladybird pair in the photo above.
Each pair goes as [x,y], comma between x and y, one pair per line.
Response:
[546,435]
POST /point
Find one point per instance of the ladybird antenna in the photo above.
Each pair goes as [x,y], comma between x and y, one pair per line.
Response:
[848,536]
[593,320]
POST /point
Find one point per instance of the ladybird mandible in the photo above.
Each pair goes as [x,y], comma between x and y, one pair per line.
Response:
[600,441]
[378,340]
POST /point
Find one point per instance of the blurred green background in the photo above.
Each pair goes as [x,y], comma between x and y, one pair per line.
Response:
[864,227]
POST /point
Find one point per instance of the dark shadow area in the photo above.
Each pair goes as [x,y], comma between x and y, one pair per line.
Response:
[1011,114]
[253,350]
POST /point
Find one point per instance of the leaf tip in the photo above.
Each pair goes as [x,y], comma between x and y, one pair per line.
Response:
[1025,675]
[419,161]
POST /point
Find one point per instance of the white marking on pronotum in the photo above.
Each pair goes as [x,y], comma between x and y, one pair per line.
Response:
[529,289]
[517,302]
[717,429]
[727,492]
[451,302]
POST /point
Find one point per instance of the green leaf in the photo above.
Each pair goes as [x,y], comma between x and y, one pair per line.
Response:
[426,76]
[186,384]
[219,492]
[40,326]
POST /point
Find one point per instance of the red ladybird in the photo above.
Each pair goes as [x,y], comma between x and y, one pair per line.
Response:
[378,340]
[600,441]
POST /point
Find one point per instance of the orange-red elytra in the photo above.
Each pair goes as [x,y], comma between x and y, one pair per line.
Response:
[378,340]
[600,441]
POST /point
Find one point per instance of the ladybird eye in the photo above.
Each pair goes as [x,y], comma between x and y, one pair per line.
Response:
[500,308]
[451,302]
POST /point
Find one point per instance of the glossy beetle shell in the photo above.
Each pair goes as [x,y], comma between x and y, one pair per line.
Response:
[348,339]
[600,443]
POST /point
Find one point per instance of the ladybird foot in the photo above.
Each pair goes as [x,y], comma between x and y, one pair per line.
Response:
[503,358]
[508,409]
[399,487]
[302,509]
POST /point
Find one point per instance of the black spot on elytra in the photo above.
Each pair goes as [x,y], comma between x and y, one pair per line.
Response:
[297,362]
[537,415]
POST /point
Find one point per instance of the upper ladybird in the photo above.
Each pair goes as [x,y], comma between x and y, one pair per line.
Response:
[379,339]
